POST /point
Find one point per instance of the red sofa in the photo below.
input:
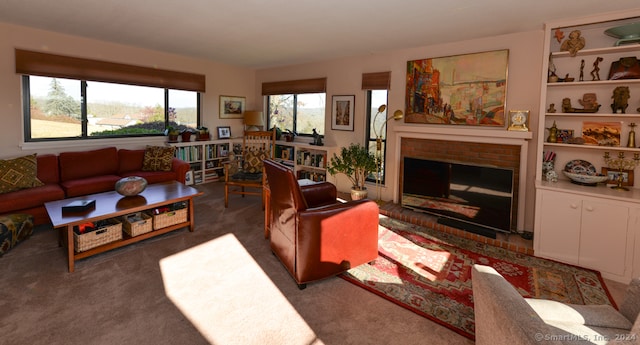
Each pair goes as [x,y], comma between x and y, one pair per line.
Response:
[71,174]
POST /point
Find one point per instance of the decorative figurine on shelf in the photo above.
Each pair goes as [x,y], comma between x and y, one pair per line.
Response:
[581,78]
[317,138]
[590,103]
[620,97]
[551,176]
[574,43]
[553,133]
[552,108]
[548,164]
[559,35]
[566,105]
[632,136]
[595,72]
[552,77]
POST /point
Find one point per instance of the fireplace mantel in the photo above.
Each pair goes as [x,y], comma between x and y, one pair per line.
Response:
[480,135]
[467,134]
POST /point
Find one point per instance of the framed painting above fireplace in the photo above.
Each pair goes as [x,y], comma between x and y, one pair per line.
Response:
[467,89]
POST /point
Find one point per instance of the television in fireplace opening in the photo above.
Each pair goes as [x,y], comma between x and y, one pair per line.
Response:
[480,196]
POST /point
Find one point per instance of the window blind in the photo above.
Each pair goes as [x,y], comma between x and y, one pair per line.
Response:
[376,81]
[60,66]
[317,85]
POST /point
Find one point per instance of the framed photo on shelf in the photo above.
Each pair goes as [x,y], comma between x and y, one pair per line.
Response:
[188,178]
[224,132]
[601,133]
[232,107]
[342,112]
[563,135]
[627,176]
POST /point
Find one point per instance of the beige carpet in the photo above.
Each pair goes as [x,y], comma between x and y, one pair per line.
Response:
[217,285]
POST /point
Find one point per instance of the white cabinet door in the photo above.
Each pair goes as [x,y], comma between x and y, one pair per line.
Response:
[603,237]
[558,235]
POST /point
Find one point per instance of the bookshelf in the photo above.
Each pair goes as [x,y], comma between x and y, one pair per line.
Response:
[306,160]
[206,158]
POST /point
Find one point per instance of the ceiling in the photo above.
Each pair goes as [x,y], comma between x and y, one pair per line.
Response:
[268,33]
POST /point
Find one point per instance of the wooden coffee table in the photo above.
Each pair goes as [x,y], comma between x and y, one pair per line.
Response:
[111,205]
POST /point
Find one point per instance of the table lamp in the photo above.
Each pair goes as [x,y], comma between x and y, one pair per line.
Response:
[253,120]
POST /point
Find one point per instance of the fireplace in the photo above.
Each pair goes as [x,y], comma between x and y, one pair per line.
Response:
[493,149]
[471,197]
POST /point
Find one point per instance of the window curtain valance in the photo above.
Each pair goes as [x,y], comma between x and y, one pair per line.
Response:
[376,81]
[317,85]
[52,65]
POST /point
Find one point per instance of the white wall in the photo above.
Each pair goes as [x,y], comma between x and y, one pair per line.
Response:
[344,77]
[221,80]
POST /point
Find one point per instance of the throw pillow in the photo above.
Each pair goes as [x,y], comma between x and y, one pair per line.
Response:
[253,160]
[158,158]
[19,173]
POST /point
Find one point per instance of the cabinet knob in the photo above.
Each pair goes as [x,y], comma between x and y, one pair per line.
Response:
[573,206]
[589,208]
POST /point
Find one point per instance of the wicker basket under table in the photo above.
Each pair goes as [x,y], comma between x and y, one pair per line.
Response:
[139,227]
[104,235]
[166,219]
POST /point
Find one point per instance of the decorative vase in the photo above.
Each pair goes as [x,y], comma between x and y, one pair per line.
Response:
[130,186]
[358,194]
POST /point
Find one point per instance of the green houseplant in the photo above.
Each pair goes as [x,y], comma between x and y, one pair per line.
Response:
[356,162]
[172,133]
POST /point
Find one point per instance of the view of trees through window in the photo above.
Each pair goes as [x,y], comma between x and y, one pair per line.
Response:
[56,109]
[299,113]
[377,125]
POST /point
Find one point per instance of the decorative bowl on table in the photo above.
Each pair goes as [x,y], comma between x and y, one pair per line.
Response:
[131,186]
[584,179]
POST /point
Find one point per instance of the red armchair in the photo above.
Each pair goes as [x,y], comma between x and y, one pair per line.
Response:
[312,233]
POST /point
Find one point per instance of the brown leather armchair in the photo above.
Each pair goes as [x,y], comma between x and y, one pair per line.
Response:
[312,233]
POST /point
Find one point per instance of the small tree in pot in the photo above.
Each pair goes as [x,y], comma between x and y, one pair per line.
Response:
[356,162]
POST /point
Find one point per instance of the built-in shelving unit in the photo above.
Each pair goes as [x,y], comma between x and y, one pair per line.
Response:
[308,161]
[589,226]
[205,157]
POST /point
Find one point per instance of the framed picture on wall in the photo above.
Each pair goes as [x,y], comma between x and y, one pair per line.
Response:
[342,112]
[232,107]
[463,90]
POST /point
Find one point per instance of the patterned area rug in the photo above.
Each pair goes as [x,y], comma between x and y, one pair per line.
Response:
[429,272]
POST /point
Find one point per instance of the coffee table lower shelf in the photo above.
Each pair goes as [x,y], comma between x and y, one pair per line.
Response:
[126,240]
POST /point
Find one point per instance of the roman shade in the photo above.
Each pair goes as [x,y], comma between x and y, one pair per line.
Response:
[317,85]
[376,81]
[52,65]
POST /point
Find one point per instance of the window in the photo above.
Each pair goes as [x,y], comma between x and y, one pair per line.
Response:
[54,109]
[74,98]
[300,113]
[296,105]
[376,124]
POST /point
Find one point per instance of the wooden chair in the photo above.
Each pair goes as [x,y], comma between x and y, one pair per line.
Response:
[246,170]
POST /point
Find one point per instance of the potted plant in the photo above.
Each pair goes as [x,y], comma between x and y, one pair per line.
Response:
[356,162]
[289,135]
[203,133]
[172,133]
[186,134]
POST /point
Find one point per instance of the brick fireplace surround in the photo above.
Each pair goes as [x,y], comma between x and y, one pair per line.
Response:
[499,148]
